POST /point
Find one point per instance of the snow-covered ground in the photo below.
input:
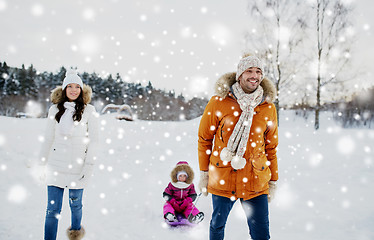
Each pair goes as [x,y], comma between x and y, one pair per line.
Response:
[324,189]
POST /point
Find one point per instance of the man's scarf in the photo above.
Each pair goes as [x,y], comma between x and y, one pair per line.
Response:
[237,143]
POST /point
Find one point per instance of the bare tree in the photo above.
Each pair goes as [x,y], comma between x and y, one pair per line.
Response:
[277,31]
[333,45]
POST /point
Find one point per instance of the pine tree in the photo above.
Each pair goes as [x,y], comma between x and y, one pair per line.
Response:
[30,79]
[11,86]
[27,85]
[93,80]
[4,74]
[21,76]
[59,78]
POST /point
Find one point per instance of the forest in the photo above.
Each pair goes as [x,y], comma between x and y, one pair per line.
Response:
[20,87]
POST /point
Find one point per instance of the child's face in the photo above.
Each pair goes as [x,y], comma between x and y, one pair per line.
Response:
[182,178]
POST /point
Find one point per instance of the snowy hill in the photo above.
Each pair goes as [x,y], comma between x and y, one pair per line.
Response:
[324,188]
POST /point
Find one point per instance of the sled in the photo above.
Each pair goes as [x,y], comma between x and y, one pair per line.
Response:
[182,221]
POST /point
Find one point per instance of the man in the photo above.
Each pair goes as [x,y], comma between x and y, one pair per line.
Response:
[238,137]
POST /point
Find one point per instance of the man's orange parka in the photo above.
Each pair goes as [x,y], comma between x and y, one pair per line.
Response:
[216,125]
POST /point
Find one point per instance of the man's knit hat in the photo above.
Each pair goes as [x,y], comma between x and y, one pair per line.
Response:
[248,62]
[71,76]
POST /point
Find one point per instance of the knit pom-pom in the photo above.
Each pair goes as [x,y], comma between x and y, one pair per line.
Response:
[70,71]
[238,162]
[226,155]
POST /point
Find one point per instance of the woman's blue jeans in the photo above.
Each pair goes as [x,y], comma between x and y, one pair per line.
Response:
[55,196]
[256,210]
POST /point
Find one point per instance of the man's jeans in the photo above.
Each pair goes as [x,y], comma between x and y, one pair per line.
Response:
[55,196]
[256,210]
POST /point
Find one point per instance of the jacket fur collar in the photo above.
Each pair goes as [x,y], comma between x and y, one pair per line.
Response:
[182,167]
[56,94]
[224,83]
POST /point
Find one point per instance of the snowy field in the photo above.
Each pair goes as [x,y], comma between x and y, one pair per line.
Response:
[324,188]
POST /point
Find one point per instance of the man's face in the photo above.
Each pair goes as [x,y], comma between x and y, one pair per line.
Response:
[250,79]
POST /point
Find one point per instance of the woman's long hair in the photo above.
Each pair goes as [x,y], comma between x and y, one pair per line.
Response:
[79,106]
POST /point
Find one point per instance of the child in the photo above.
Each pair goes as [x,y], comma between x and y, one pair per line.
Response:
[179,195]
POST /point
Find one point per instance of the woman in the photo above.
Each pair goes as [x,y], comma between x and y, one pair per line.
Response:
[69,152]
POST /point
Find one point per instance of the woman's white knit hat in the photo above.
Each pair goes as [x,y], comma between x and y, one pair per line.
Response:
[71,76]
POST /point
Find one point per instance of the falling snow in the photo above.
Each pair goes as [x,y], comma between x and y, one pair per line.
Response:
[325,176]
[323,183]
[17,194]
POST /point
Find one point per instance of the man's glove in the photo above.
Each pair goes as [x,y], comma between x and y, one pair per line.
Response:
[272,190]
[203,183]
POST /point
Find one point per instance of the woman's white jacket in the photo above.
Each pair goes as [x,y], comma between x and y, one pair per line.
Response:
[70,159]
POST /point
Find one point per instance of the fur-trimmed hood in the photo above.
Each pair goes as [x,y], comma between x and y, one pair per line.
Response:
[182,167]
[224,83]
[56,94]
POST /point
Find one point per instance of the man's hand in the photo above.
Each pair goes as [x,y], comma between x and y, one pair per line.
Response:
[272,190]
[203,183]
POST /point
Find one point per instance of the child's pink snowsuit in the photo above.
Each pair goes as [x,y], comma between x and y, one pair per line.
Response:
[180,195]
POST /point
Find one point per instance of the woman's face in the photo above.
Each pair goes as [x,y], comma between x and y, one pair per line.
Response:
[72,91]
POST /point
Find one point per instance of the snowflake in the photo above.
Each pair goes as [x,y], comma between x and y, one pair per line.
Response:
[17,194]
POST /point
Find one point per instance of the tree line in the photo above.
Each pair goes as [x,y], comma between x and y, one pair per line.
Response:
[20,85]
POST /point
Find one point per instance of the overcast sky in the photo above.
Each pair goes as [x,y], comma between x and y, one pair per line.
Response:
[176,44]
